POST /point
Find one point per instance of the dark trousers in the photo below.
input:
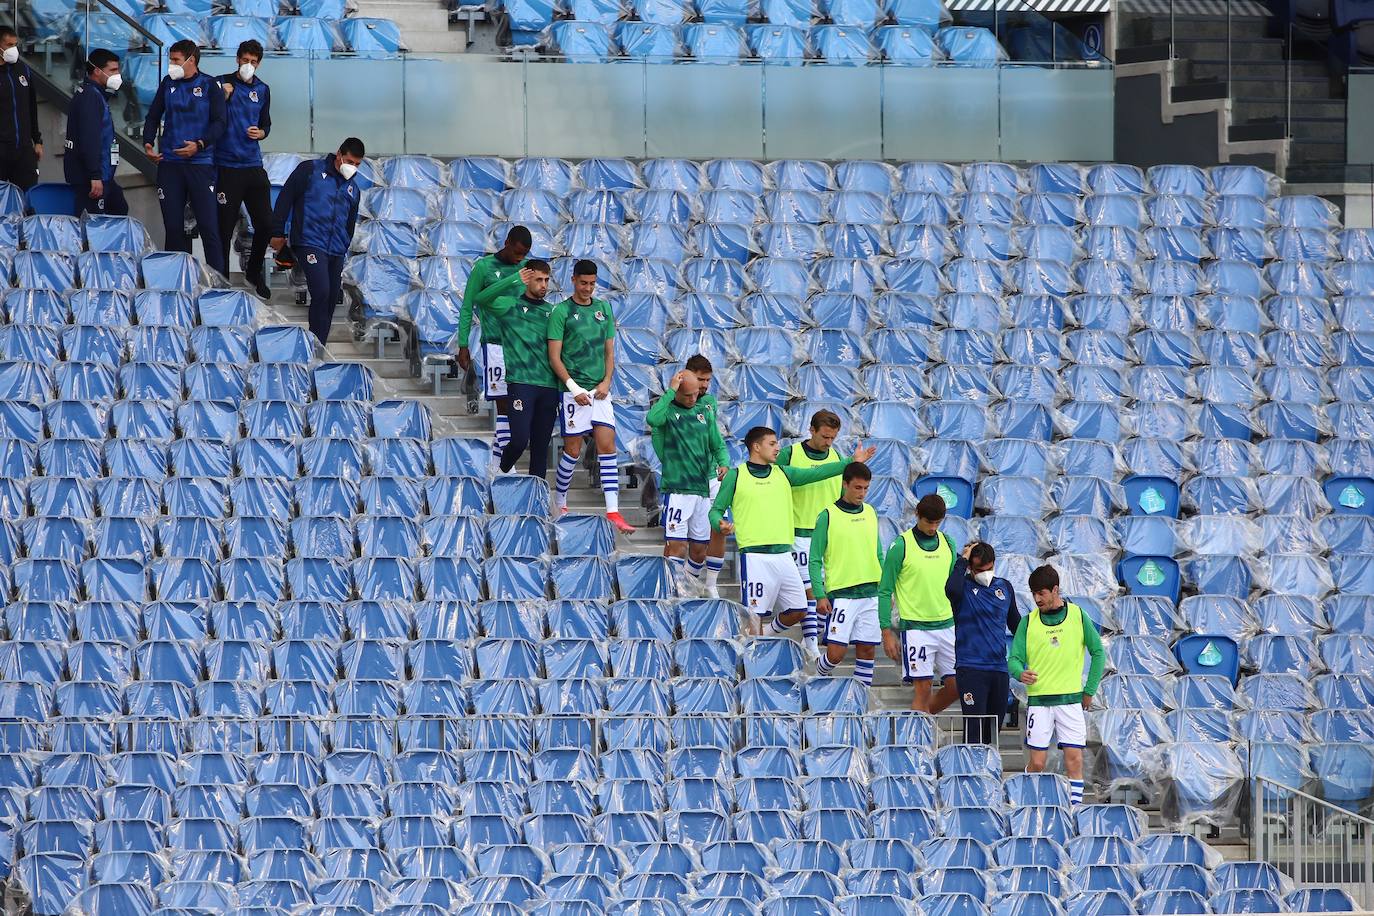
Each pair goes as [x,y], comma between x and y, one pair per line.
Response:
[112,203]
[239,187]
[178,183]
[19,167]
[323,278]
[982,694]
[533,410]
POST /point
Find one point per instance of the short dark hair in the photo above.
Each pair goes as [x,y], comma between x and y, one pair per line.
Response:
[186,48]
[352,146]
[519,235]
[756,435]
[698,363]
[99,59]
[931,508]
[982,553]
[251,46]
[825,419]
[7,32]
[584,268]
[857,470]
[1043,578]
[538,266]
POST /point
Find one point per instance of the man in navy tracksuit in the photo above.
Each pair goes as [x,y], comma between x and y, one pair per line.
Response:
[92,153]
[242,179]
[21,142]
[985,613]
[321,201]
[188,112]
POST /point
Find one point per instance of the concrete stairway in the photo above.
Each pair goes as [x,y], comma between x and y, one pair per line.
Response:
[1269,95]
[424,24]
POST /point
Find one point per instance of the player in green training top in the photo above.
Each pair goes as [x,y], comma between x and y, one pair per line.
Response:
[524,322]
[492,276]
[582,355]
[914,574]
[846,564]
[701,367]
[807,502]
[759,495]
[1047,656]
[691,454]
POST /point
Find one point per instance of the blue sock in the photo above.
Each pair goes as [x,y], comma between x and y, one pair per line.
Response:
[811,623]
[567,465]
[863,671]
[823,666]
[1075,792]
[694,568]
[610,481]
[778,626]
[502,431]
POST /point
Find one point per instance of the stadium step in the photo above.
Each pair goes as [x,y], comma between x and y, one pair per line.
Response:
[424,24]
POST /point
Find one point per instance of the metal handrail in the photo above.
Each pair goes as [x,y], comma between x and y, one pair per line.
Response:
[1349,857]
[128,20]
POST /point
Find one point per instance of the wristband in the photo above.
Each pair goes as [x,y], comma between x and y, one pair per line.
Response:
[573,388]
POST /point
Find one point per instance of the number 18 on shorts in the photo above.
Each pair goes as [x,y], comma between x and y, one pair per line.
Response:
[578,419]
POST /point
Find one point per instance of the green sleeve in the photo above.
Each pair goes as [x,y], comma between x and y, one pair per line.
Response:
[892,567]
[1016,658]
[785,457]
[610,320]
[476,279]
[511,285]
[659,413]
[820,535]
[501,305]
[724,498]
[557,320]
[1093,643]
[800,477]
[953,550]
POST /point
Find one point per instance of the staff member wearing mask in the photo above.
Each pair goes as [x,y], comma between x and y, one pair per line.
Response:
[188,113]
[321,200]
[92,153]
[985,613]
[21,142]
[238,155]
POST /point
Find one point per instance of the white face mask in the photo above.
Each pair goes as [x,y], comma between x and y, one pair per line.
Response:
[983,578]
[11,54]
[246,72]
[176,71]
[348,170]
[113,82]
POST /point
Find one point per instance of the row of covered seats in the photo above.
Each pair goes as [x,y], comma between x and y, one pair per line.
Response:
[864,14]
[694,177]
[594,42]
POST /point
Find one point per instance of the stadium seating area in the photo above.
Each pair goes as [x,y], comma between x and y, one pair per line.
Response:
[913,33]
[272,644]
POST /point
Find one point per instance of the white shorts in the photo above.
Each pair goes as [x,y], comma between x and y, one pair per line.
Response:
[801,555]
[578,419]
[927,653]
[686,518]
[853,621]
[493,372]
[769,579]
[713,488]
[1067,723]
